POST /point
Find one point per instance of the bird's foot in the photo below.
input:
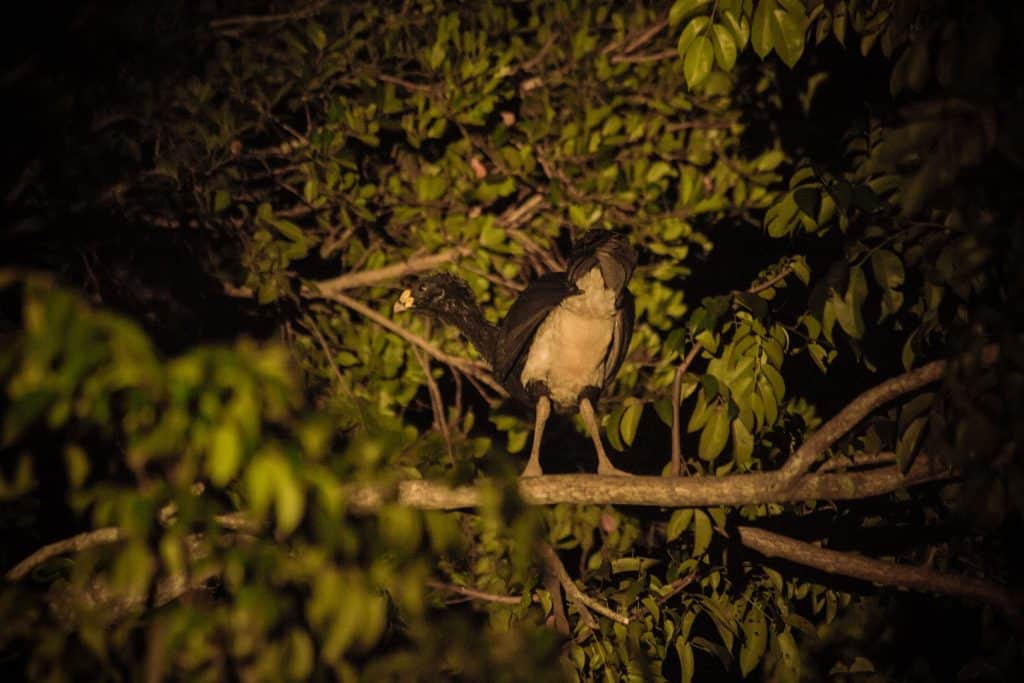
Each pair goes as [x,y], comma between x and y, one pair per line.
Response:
[609,470]
[532,470]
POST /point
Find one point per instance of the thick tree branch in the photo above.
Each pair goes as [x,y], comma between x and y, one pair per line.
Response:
[592,489]
[801,459]
[885,573]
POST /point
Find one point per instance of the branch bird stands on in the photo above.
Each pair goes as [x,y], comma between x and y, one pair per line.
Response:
[562,341]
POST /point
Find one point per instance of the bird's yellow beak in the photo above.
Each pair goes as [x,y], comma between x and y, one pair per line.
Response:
[405,301]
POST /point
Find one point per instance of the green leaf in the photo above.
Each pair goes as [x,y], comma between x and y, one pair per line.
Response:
[808,199]
[612,428]
[221,200]
[631,421]
[678,523]
[787,663]
[909,441]
[492,236]
[697,62]
[715,434]
[761,29]
[316,35]
[755,640]
[689,34]
[848,309]
[742,444]
[725,47]
[225,453]
[681,9]
[788,36]
[686,664]
[887,269]
[430,187]
[801,270]
[701,532]
[740,28]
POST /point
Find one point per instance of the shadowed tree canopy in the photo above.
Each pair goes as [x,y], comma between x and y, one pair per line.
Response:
[223,455]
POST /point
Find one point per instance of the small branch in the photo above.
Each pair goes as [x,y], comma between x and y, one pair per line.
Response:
[581,599]
[235,521]
[75,544]
[519,214]
[647,35]
[436,403]
[649,57]
[677,388]
[676,587]
[532,62]
[417,264]
[701,124]
[858,460]
[771,282]
[475,594]
[801,459]
[408,85]
[884,573]
[468,367]
[247,19]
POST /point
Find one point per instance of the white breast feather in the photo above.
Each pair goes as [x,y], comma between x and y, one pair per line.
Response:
[569,348]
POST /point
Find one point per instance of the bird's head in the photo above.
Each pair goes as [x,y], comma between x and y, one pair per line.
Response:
[607,250]
[436,295]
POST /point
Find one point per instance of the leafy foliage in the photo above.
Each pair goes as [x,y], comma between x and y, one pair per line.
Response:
[252,483]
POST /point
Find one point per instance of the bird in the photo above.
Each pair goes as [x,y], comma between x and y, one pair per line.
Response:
[564,337]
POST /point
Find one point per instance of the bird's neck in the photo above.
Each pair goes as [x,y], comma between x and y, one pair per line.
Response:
[471,322]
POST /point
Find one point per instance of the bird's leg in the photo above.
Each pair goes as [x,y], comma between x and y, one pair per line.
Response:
[543,413]
[604,465]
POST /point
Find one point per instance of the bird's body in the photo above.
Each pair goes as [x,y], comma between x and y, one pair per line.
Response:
[569,350]
[563,339]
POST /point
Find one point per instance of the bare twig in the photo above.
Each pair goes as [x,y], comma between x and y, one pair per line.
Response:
[677,387]
[106,535]
[408,85]
[416,264]
[436,403]
[301,13]
[578,597]
[75,544]
[517,215]
[676,587]
[647,57]
[841,462]
[532,62]
[772,281]
[475,594]
[885,573]
[470,368]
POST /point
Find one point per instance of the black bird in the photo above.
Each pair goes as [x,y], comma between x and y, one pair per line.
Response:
[564,337]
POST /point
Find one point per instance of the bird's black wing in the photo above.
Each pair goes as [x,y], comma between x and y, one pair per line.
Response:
[622,333]
[525,316]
